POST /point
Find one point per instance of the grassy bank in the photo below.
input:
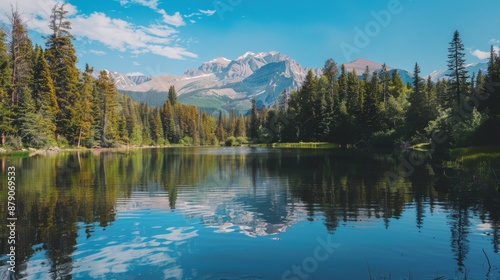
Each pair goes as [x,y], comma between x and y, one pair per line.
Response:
[475,153]
[308,145]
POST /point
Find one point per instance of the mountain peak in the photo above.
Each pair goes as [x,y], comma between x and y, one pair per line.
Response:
[245,55]
[360,65]
[218,60]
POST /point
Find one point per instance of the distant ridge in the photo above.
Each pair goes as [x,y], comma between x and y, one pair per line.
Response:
[224,84]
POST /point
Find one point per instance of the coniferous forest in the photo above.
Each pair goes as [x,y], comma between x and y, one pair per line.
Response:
[47,101]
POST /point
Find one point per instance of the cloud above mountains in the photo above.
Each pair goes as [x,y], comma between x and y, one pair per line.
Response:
[160,37]
[483,54]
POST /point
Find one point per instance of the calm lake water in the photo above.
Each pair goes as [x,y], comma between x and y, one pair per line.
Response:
[250,213]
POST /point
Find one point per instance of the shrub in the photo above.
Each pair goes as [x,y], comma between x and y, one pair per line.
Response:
[186,141]
[14,142]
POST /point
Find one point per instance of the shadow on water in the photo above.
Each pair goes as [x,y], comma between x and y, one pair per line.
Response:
[61,194]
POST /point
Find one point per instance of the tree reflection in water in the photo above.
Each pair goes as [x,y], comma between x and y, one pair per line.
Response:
[261,191]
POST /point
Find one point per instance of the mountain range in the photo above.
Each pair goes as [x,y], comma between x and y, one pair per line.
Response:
[224,84]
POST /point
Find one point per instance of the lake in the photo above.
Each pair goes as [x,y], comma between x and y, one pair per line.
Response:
[250,213]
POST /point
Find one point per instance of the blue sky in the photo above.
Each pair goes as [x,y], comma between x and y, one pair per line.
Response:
[170,36]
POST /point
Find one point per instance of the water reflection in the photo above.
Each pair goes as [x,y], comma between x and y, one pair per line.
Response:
[99,214]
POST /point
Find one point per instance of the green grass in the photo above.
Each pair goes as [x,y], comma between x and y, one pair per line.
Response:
[308,145]
[475,153]
[15,154]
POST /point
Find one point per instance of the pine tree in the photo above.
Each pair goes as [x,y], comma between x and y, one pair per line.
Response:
[431,98]
[417,116]
[6,113]
[60,55]
[106,91]
[21,53]
[132,121]
[254,121]
[172,96]
[168,120]
[220,132]
[325,108]
[458,72]
[385,78]
[35,129]
[307,115]
[240,127]
[43,87]
[156,126]
[342,84]
[232,123]
[371,109]
[84,111]
[283,101]
[491,87]
[398,85]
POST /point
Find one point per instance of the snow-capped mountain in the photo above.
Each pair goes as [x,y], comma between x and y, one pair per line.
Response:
[224,84]
[125,81]
[471,68]
[138,78]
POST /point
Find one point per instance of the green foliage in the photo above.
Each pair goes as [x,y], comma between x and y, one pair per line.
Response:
[458,73]
[418,114]
[14,142]
[35,128]
[186,141]
[61,58]
[172,96]
[44,97]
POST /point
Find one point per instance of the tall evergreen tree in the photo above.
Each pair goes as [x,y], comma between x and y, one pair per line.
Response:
[491,87]
[254,121]
[417,116]
[43,87]
[458,72]
[6,113]
[21,53]
[240,127]
[398,85]
[60,55]
[106,91]
[35,129]
[385,78]
[307,115]
[172,96]
[85,110]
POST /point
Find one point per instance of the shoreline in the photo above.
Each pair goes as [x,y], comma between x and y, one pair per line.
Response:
[29,152]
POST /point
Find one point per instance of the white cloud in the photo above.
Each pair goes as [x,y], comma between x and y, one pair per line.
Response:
[152,4]
[136,63]
[175,19]
[171,52]
[115,33]
[192,21]
[482,54]
[36,12]
[207,12]
[494,41]
[192,15]
[96,52]
[124,36]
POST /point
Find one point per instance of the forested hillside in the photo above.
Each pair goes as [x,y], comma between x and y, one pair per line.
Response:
[47,101]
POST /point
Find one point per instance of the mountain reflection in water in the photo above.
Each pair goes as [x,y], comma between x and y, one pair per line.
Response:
[214,213]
